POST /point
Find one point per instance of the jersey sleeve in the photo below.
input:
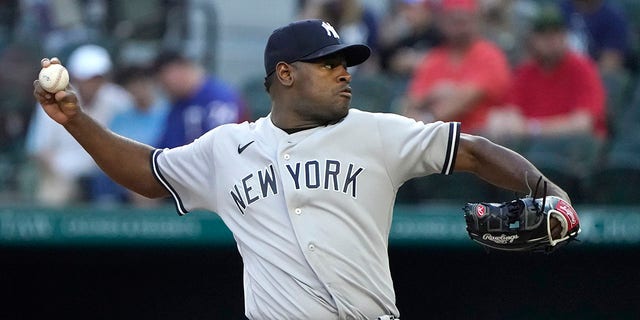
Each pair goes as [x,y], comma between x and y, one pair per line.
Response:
[186,172]
[415,149]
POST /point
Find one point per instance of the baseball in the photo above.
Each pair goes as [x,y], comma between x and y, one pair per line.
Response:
[54,78]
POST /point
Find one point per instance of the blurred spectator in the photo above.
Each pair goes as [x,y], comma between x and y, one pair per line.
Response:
[557,92]
[16,108]
[144,123]
[463,77]
[61,25]
[141,27]
[8,19]
[192,27]
[506,23]
[599,29]
[352,19]
[63,165]
[16,90]
[406,33]
[200,102]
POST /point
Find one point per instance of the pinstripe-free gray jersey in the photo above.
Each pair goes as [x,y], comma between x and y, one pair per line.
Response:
[310,211]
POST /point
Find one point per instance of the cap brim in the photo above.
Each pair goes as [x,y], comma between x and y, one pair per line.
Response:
[354,54]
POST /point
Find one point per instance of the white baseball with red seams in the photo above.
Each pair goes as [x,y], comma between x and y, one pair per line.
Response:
[54,78]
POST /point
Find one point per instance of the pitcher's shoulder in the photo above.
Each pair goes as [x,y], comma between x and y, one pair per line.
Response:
[244,126]
[360,115]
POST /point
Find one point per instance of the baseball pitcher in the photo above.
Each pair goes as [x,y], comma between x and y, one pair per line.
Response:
[308,191]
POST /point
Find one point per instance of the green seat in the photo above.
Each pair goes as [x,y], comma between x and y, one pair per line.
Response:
[12,158]
[460,187]
[624,151]
[629,120]
[256,98]
[566,160]
[631,10]
[616,181]
[616,186]
[372,93]
[575,153]
[6,172]
[619,100]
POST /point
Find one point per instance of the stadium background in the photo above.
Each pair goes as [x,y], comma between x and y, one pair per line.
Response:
[128,263]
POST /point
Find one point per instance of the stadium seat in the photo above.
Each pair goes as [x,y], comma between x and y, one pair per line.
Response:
[578,153]
[631,10]
[567,160]
[460,187]
[371,93]
[619,100]
[12,159]
[256,97]
[616,181]
[616,186]
[6,170]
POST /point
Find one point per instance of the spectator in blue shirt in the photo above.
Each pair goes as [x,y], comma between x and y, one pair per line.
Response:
[199,101]
[599,29]
[145,123]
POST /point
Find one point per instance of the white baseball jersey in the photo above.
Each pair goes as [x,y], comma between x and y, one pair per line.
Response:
[310,211]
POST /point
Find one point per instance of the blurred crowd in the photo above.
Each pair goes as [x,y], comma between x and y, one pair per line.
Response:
[556,80]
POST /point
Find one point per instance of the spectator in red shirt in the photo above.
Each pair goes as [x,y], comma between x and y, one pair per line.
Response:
[462,78]
[556,92]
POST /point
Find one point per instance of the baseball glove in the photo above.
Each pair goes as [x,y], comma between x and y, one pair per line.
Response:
[522,224]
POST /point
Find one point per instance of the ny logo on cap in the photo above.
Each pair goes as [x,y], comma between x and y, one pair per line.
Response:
[330,30]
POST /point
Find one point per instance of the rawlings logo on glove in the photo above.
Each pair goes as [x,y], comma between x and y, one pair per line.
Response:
[522,224]
[501,239]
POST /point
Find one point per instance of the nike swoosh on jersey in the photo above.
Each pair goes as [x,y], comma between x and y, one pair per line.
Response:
[241,147]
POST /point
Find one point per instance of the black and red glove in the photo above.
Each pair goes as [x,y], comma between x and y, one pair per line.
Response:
[523,224]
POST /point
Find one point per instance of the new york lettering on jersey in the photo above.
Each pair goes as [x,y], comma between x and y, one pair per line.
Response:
[312,174]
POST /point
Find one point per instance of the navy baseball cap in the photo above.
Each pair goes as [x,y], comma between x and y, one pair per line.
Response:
[307,40]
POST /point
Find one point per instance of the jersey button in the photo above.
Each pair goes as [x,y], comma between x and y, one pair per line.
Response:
[312,247]
[298,211]
[287,156]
